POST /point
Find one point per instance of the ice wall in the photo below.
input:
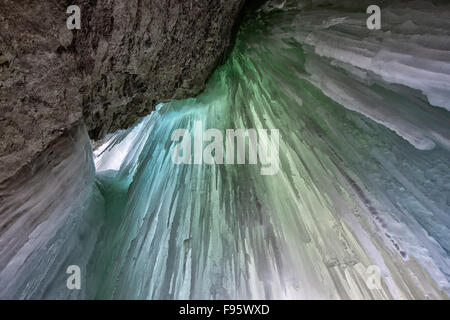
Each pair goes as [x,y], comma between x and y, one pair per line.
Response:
[410,56]
[355,189]
[50,218]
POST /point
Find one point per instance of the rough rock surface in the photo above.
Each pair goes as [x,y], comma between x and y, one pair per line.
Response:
[139,53]
[39,99]
[127,57]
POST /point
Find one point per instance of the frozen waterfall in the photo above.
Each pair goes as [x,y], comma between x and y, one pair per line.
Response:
[364,176]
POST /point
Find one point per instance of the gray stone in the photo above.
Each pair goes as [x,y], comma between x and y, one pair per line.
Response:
[127,57]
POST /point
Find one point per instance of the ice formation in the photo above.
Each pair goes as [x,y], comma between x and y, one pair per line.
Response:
[364,176]
[50,222]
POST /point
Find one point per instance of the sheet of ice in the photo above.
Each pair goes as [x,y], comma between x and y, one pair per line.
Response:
[410,56]
[49,223]
[351,192]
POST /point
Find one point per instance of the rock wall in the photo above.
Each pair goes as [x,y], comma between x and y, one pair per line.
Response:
[127,57]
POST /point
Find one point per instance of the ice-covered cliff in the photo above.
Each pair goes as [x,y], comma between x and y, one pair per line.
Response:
[364,178]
